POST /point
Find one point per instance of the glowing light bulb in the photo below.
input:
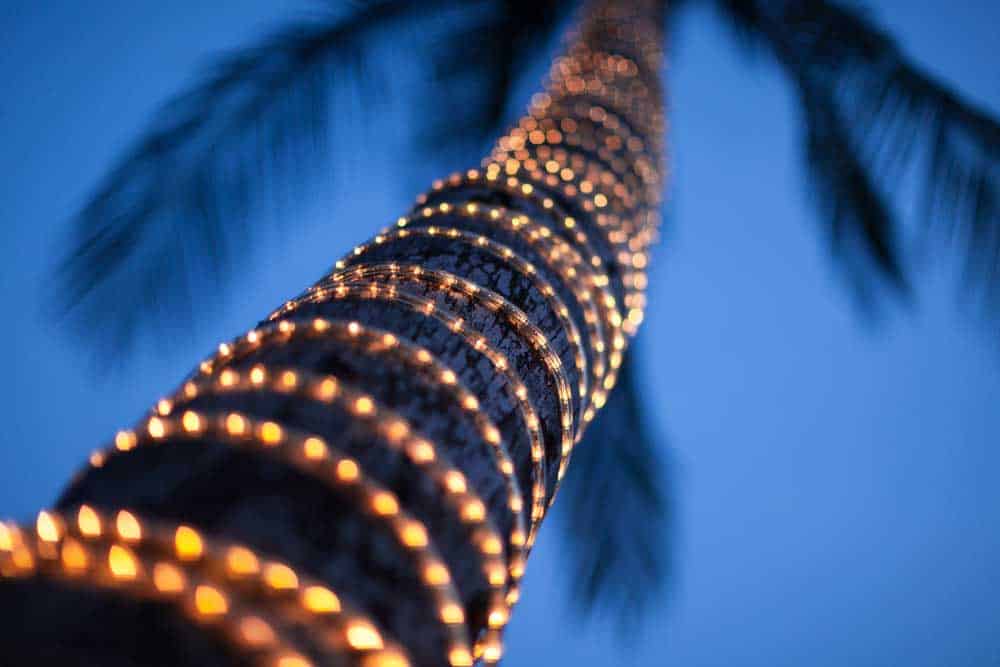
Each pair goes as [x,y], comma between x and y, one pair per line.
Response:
[314,448]
[187,543]
[241,561]
[46,527]
[414,535]
[209,601]
[124,440]
[281,577]
[384,504]
[88,522]
[436,574]
[362,636]
[320,600]
[452,614]
[271,433]
[347,470]
[74,556]
[455,482]
[256,632]
[168,579]
[364,406]
[460,657]
[128,526]
[122,562]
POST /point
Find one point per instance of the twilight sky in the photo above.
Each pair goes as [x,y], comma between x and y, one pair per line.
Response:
[836,481]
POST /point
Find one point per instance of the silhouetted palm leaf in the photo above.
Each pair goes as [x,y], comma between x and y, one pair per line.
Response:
[179,203]
[868,112]
[614,508]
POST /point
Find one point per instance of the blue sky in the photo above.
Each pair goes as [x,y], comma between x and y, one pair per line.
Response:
[835,481]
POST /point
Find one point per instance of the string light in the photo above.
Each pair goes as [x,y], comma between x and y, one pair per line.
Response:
[392,428]
[499,362]
[159,564]
[335,469]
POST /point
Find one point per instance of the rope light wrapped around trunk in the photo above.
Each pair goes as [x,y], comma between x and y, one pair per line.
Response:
[359,479]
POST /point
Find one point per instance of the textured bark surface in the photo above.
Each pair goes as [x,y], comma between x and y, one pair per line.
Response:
[394,435]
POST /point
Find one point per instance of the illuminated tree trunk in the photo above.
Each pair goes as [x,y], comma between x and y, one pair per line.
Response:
[359,479]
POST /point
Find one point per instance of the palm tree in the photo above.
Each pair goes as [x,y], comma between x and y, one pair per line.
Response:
[865,110]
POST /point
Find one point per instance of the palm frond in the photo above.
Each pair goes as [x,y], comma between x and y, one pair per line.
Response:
[179,204]
[614,510]
[872,116]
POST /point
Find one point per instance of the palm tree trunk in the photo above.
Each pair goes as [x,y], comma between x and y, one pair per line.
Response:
[359,479]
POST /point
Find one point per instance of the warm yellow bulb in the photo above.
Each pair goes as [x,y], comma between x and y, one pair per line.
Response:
[122,562]
[128,526]
[473,510]
[364,406]
[422,451]
[47,528]
[414,535]
[497,575]
[320,600]
[187,543]
[493,652]
[362,636]
[236,424]
[460,657]
[498,617]
[124,440]
[156,427]
[328,389]
[209,601]
[385,659]
[256,632]
[168,579]
[88,522]
[293,660]
[452,614]
[491,545]
[281,577]
[455,482]
[436,574]
[74,556]
[241,561]
[191,422]
[314,448]
[397,430]
[271,433]
[384,503]
[347,470]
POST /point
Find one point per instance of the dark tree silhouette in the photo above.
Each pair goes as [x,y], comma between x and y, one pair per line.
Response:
[588,153]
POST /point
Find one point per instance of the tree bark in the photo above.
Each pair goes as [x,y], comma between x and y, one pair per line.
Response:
[359,479]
